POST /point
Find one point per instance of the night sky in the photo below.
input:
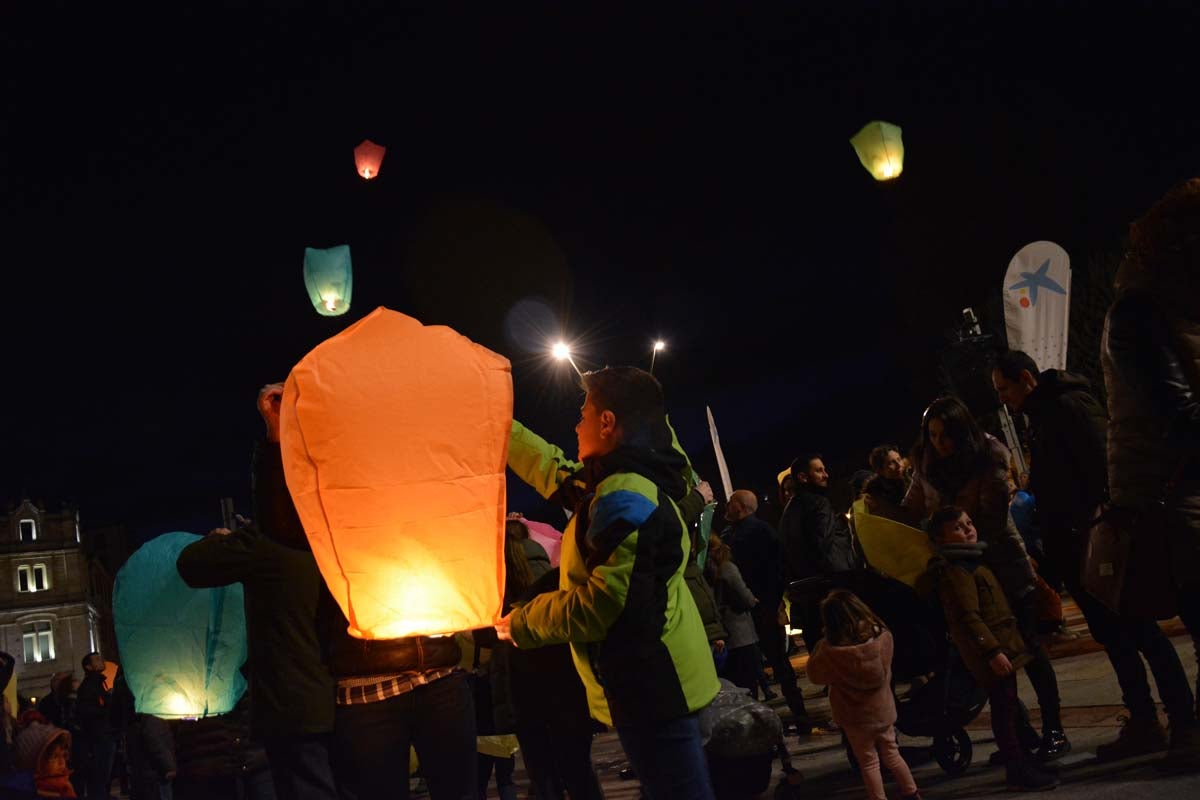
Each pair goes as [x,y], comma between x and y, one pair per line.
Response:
[685,174]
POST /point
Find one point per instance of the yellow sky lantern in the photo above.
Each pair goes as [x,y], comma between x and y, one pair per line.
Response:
[394,437]
[880,149]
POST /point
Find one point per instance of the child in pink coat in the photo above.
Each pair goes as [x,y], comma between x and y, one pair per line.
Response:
[855,661]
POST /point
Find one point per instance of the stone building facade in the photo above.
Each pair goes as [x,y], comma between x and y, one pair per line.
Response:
[52,612]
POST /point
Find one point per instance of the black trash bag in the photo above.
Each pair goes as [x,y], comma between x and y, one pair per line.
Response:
[735,725]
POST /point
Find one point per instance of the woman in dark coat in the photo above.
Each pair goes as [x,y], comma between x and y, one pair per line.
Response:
[957,464]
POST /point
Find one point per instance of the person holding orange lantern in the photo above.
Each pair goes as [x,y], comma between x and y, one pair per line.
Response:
[636,636]
[293,691]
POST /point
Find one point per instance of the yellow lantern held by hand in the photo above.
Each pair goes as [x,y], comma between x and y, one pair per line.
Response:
[394,438]
[880,149]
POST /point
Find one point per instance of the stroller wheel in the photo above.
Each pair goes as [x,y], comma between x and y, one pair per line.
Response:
[953,752]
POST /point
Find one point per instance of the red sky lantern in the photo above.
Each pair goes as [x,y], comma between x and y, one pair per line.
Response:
[368,157]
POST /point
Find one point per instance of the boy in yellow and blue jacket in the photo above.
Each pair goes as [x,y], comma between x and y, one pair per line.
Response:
[636,637]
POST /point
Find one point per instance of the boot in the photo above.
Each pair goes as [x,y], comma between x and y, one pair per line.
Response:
[1139,736]
[1184,753]
[1055,744]
[1026,776]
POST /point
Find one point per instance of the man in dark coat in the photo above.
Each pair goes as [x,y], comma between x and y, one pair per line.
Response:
[815,539]
[1068,479]
[293,690]
[99,744]
[756,552]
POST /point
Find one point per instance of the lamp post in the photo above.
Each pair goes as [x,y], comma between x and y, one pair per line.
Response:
[659,346]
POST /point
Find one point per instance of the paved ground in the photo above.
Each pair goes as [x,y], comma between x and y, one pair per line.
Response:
[1091,706]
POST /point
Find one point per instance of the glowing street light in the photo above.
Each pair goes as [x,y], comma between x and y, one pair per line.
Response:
[562,352]
[659,346]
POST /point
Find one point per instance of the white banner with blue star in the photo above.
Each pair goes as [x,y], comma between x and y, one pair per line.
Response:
[1037,303]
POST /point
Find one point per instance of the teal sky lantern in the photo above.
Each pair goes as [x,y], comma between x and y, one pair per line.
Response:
[329,278]
[880,149]
[182,648]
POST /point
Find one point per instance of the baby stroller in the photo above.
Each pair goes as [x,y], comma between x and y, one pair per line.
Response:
[951,699]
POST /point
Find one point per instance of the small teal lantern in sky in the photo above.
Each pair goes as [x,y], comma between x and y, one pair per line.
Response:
[329,278]
[182,648]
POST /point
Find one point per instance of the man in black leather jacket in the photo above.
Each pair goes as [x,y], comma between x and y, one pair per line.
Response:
[1151,358]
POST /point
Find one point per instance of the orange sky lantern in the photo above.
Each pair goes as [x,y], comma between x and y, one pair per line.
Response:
[395,438]
[368,158]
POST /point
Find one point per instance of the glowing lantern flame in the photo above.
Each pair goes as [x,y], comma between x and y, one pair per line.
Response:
[329,278]
[368,157]
[880,149]
[659,346]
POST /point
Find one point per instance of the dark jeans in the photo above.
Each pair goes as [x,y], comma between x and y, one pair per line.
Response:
[1189,612]
[1005,715]
[94,759]
[1125,641]
[774,647]
[504,768]
[437,720]
[668,758]
[301,766]
[558,760]
[1039,671]
[741,667]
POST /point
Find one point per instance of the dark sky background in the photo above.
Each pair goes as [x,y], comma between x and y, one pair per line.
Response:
[684,173]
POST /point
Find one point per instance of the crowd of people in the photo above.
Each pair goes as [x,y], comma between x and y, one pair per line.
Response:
[640,616]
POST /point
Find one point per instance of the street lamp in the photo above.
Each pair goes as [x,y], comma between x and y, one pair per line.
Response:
[659,346]
[562,352]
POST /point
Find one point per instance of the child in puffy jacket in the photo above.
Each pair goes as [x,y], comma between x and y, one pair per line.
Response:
[855,661]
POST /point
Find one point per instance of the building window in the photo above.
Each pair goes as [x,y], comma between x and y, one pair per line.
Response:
[38,638]
[28,530]
[34,578]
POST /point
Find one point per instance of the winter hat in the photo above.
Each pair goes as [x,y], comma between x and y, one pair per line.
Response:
[33,741]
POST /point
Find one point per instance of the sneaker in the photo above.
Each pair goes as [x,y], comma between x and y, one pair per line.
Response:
[1137,737]
[1027,776]
[822,691]
[1055,744]
[1183,755]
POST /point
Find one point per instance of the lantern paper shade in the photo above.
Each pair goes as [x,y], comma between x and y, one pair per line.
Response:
[394,438]
[368,158]
[880,149]
[181,648]
[329,279]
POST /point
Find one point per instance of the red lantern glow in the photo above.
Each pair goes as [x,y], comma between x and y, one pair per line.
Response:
[368,157]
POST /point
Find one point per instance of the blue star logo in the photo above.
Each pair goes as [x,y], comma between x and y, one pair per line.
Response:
[1038,280]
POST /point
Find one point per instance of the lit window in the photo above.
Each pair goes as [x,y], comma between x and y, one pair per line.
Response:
[38,638]
[33,579]
[28,530]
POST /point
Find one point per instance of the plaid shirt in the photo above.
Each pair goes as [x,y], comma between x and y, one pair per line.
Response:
[373,688]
